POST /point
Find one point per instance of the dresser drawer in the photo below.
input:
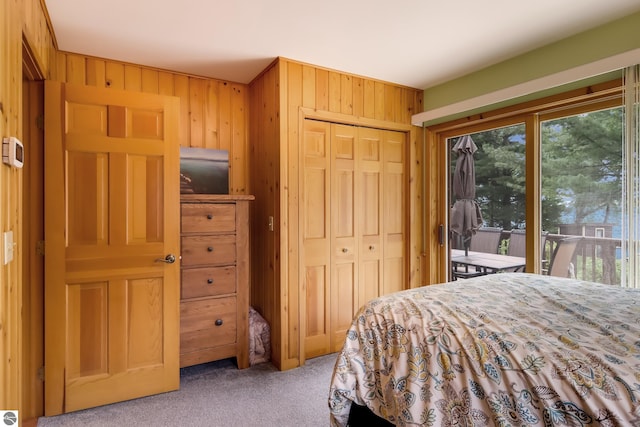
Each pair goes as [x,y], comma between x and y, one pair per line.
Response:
[208,250]
[208,281]
[207,323]
[208,218]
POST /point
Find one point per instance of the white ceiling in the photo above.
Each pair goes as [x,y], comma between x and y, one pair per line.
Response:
[417,43]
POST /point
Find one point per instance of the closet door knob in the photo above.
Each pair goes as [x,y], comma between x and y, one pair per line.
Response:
[218,322]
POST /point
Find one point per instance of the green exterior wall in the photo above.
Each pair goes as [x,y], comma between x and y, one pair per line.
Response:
[614,38]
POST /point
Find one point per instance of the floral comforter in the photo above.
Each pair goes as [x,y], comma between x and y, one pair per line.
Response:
[509,349]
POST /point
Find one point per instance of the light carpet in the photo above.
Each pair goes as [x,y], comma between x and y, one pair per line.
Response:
[218,394]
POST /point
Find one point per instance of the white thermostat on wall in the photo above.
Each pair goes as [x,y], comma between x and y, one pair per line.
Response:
[12,152]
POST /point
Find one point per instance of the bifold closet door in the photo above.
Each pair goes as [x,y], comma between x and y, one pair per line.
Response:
[370,213]
[344,263]
[330,234]
[314,223]
[394,212]
[352,207]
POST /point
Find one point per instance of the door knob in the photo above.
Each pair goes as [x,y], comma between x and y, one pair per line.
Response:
[169,259]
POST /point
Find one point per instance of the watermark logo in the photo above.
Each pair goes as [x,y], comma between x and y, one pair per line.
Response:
[9,418]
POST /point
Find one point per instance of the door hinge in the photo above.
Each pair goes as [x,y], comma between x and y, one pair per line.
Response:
[41,373]
[40,122]
[40,247]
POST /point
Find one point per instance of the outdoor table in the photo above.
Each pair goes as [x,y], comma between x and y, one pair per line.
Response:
[486,263]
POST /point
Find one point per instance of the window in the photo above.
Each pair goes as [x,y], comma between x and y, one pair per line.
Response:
[581,157]
[580,131]
[499,186]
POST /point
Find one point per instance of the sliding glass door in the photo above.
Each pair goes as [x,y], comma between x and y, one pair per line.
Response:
[565,168]
[579,150]
[499,241]
[582,175]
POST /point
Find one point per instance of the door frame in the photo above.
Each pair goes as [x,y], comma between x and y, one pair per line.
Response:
[32,331]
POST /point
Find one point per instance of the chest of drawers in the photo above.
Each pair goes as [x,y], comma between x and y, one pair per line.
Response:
[214,285]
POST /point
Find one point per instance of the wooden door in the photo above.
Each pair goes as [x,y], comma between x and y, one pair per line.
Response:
[345,187]
[394,212]
[316,237]
[370,213]
[111,217]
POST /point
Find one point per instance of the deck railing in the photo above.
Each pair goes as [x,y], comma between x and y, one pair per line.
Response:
[595,259]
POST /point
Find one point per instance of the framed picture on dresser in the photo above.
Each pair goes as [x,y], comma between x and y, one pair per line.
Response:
[204,171]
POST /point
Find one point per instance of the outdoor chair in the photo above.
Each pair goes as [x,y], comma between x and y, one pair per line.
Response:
[517,243]
[486,239]
[562,259]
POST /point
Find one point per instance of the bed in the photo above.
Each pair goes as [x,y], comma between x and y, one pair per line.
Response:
[510,349]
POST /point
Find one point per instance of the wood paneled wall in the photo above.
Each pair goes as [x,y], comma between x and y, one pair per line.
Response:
[24,30]
[213,113]
[284,95]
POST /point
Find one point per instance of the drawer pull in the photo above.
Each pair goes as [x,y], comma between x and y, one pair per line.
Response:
[209,281]
[218,322]
[210,249]
[209,216]
[345,250]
